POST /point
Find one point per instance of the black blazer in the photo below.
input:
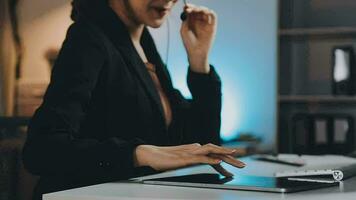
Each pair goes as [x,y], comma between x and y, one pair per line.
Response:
[101,103]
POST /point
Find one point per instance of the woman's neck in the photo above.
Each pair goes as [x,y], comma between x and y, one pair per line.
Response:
[124,11]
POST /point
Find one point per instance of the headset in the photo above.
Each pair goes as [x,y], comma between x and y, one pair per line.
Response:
[183,16]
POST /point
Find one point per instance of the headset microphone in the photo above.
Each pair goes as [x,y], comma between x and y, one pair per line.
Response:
[183,16]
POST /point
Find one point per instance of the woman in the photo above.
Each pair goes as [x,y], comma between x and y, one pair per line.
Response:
[111,112]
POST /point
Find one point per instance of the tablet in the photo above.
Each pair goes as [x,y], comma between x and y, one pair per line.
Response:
[252,183]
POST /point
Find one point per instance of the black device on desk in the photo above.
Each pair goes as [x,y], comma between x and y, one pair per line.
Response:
[276,159]
[252,183]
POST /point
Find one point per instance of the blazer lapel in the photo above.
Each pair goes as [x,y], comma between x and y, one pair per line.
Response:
[117,32]
[139,68]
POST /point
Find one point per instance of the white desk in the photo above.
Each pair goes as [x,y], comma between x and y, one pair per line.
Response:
[137,191]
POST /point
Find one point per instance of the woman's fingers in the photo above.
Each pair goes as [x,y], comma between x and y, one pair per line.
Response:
[230,160]
[200,13]
[211,154]
[201,159]
[213,17]
[169,158]
[192,154]
[213,149]
[239,152]
[222,170]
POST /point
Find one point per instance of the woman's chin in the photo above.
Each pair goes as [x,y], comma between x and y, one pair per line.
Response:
[156,23]
[156,19]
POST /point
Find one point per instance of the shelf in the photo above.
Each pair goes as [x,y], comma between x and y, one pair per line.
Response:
[328,31]
[316,99]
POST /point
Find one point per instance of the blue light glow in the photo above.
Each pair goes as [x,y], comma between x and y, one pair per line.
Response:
[245,56]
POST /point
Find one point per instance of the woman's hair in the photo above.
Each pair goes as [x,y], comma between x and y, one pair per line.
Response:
[85,7]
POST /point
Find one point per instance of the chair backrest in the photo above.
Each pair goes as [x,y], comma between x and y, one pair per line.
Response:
[12,127]
[8,170]
[12,173]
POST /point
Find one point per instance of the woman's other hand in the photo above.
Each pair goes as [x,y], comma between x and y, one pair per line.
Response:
[198,32]
[169,158]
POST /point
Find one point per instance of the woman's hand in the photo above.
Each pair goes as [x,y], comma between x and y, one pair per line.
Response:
[169,158]
[198,33]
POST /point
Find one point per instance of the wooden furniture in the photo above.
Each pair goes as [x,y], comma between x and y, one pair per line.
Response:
[309,30]
[29,98]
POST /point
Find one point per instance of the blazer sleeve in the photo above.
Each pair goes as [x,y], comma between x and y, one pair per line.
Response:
[199,118]
[51,147]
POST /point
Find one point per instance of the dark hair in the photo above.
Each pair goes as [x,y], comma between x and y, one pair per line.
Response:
[85,7]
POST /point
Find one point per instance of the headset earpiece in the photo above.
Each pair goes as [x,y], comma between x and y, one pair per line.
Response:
[183,16]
